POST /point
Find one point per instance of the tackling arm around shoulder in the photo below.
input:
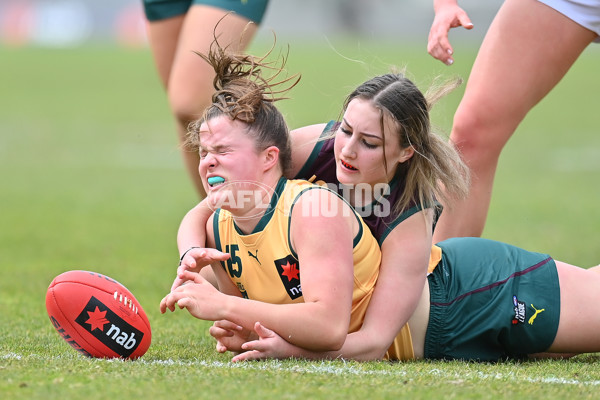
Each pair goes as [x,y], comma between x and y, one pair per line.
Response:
[448,15]
[405,257]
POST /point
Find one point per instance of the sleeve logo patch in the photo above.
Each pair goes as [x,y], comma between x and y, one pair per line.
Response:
[289,272]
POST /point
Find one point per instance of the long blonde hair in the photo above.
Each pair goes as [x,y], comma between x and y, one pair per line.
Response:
[435,171]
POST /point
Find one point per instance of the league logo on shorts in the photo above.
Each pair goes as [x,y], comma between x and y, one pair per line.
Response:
[289,272]
[520,314]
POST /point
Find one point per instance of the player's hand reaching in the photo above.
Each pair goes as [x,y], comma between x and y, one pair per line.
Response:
[197,295]
[448,15]
[194,260]
[268,346]
[230,336]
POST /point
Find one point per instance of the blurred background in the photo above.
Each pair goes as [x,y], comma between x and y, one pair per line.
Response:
[66,23]
[86,136]
[91,175]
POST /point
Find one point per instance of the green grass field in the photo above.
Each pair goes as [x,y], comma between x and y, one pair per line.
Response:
[92,179]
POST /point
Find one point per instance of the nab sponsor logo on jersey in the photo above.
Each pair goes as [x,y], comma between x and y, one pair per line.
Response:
[289,272]
[109,328]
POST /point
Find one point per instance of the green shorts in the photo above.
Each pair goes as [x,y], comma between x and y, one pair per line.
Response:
[491,301]
[156,10]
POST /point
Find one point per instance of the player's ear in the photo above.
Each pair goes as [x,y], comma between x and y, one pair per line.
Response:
[270,157]
[406,154]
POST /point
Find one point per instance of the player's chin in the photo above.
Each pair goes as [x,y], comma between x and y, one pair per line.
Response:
[216,199]
[349,178]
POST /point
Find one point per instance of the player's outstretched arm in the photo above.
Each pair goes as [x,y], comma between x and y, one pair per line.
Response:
[448,15]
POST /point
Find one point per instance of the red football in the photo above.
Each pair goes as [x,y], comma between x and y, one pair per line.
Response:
[97,315]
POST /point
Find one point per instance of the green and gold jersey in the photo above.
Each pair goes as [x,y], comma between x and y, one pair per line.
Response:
[264,266]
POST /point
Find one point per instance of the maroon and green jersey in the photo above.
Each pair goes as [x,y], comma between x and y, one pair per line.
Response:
[379,216]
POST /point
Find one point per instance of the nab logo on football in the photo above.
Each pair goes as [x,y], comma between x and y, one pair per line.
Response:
[109,328]
[289,272]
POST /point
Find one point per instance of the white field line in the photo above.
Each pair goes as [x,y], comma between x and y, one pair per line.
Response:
[327,368]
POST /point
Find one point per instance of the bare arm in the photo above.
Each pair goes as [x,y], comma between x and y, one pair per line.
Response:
[448,15]
[321,322]
[191,235]
[405,257]
[192,230]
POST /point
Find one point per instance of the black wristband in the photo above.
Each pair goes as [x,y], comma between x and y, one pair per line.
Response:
[187,251]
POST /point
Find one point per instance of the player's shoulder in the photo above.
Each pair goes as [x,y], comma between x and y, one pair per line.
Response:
[312,200]
[304,142]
